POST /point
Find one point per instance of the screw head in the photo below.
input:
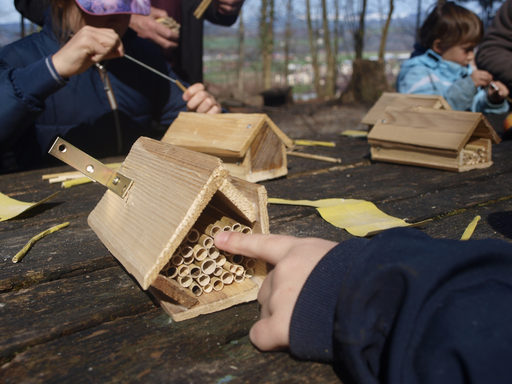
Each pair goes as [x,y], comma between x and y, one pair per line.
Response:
[115,181]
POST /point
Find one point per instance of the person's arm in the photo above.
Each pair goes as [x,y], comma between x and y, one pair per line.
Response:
[423,81]
[495,51]
[24,90]
[223,12]
[407,308]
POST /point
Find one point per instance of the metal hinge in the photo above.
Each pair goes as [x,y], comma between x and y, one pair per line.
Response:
[90,167]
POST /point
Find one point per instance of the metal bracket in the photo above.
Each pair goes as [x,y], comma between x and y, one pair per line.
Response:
[90,167]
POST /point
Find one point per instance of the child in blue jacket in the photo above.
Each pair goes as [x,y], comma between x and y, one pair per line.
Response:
[71,80]
[449,35]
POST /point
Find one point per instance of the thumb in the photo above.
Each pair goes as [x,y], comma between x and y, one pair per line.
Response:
[270,335]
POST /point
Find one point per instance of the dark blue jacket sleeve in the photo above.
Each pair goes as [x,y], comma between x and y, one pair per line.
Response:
[409,309]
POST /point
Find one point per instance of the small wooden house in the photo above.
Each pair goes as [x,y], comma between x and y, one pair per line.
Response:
[251,146]
[436,138]
[402,100]
[175,190]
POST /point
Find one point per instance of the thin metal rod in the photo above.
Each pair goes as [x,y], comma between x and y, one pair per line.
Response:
[175,81]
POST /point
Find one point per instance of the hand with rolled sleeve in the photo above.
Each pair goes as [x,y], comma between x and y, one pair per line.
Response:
[148,28]
[88,46]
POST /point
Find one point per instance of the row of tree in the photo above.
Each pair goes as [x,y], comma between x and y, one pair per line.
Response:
[338,18]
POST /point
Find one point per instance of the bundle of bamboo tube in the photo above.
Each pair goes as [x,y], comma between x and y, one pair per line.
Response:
[199,266]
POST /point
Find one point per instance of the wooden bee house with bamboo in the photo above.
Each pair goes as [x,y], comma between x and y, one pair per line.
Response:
[402,100]
[251,146]
[450,140]
[178,200]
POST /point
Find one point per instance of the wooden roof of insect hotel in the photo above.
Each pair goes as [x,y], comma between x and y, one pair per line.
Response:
[402,100]
[172,189]
[251,146]
[437,138]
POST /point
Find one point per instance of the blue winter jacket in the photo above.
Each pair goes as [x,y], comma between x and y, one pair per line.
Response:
[37,105]
[429,74]
[406,308]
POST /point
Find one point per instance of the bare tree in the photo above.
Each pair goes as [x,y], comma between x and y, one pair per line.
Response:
[287,38]
[329,80]
[359,33]
[241,56]
[313,49]
[385,30]
[267,40]
[418,21]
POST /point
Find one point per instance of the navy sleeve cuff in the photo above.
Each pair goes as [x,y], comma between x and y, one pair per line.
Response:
[311,328]
[37,81]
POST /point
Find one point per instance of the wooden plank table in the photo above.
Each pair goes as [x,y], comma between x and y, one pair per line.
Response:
[70,312]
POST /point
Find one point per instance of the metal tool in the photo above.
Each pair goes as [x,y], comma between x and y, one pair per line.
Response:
[90,167]
[175,81]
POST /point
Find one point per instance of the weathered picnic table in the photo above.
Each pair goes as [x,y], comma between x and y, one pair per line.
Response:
[70,312]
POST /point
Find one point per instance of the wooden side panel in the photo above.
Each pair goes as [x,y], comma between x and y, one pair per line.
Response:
[266,151]
[449,130]
[228,134]
[401,100]
[485,130]
[171,187]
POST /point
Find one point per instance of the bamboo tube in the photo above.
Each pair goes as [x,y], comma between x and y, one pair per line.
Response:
[218,271]
[226,277]
[186,250]
[208,288]
[233,268]
[177,260]
[195,271]
[223,226]
[165,268]
[239,278]
[207,266]
[217,284]
[188,260]
[183,270]
[209,229]
[249,272]
[314,157]
[202,279]
[196,289]
[227,254]
[201,8]
[213,252]
[184,281]
[235,259]
[205,241]
[235,226]
[193,235]
[220,260]
[249,263]
[246,230]
[200,252]
[171,272]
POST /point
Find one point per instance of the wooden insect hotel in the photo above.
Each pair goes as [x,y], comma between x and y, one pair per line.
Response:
[251,146]
[162,230]
[402,100]
[436,138]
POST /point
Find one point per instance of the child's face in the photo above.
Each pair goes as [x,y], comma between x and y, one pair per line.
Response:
[461,53]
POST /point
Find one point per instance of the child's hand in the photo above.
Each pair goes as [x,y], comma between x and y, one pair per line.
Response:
[481,78]
[88,46]
[199,100]
[497,96]
[294,259]
[148,28]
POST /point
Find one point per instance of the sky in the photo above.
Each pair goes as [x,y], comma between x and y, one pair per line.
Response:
[8,13]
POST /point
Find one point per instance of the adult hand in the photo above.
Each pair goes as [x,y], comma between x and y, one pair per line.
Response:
[294,259]
[481,78]
[497,96]
[148,28]
[199,100]
[228,7]
[88,46]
